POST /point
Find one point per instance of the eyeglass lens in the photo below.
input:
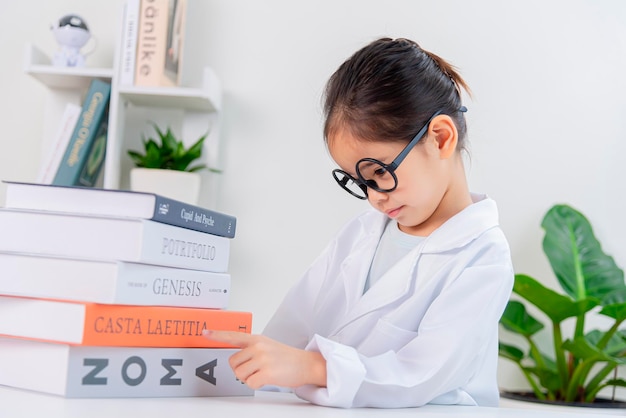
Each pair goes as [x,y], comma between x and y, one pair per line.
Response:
[376,175]
[350,184]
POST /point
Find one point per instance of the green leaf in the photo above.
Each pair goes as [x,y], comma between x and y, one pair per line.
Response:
[516,319]
[196,148]
[136,157]
[616,311]
[616,382]
[581,267]
[556,306]
[615,346]
[510,352]
[200,167]
[169,141]
[549,377]
[616,296]
[584,349]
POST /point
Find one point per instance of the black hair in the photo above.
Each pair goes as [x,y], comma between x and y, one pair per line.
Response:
[389,89]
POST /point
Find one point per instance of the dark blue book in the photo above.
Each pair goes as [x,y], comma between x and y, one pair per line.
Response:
[117,203]
[84,156]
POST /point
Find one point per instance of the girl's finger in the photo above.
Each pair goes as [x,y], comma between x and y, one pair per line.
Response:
[236,339]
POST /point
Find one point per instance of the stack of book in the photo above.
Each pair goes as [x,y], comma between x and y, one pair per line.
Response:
[105,293]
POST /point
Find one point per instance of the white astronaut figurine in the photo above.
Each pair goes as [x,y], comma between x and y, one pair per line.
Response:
[71,33]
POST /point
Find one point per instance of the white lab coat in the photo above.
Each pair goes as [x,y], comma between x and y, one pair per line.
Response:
[427,330]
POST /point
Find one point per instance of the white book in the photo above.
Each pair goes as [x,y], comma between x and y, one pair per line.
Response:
[121,203]
[52,160]
[130,32]
[111,282]
[112,238]
[112,372]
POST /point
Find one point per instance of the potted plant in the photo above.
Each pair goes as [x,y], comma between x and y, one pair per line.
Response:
[167,167]
[582,362]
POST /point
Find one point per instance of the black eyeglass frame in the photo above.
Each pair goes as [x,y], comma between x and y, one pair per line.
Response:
[391,167]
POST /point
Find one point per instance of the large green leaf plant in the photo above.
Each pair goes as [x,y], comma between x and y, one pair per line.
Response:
[578,365]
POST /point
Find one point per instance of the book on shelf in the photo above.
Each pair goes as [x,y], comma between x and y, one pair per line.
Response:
[117,372]
[130,30]
[111,282]
[123,203]
[94,324]
[172,69]
[52,160]
[84,156]
[160,43]
[111,238]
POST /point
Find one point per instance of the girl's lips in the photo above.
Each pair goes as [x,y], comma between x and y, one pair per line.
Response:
[394,212]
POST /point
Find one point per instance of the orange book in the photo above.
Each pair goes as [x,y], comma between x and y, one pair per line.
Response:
[95,324]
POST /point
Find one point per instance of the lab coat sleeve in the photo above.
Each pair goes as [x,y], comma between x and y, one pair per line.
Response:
[441,357]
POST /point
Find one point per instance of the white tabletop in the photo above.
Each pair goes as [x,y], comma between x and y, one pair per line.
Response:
[16,403]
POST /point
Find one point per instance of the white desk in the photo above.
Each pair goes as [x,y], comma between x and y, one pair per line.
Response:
[15,403]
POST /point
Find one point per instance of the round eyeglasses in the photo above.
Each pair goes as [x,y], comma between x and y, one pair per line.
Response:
[375,174]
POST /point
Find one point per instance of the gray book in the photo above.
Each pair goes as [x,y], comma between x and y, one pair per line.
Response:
[117,372]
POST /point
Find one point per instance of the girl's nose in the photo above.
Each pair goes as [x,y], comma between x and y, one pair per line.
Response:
[375,196]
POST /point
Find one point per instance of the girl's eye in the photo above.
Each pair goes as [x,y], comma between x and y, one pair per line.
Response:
[380,171]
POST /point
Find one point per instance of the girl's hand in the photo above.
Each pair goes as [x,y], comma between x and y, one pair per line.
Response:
[263,361]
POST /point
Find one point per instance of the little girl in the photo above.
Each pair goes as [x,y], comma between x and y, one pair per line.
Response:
[402,308]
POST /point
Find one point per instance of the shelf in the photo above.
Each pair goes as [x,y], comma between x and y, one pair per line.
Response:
[169,97]
[68,78]
[206,98]
[38,65]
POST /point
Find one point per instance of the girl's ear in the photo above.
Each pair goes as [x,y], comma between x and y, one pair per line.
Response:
[443,129]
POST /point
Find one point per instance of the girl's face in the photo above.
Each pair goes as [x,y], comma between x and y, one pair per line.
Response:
[422,200]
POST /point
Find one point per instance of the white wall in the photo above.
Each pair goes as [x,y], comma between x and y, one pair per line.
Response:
[547,121]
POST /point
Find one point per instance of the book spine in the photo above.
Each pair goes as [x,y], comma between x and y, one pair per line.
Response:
[151,42]
[158,326]
[95,158]
[62,138]
[152,372]
[31,275]
[140,284]
[174,212]
[180,247]
[84,135]
[175,42]
[93,324]
[129,42]
[118,372]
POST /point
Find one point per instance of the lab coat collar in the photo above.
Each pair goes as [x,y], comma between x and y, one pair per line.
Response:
[456,232]
[398,281]
[464,227]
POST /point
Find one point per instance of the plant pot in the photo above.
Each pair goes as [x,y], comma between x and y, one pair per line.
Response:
[179,185]
[522,399]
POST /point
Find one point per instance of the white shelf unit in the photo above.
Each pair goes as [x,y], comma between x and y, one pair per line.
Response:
[191,111]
